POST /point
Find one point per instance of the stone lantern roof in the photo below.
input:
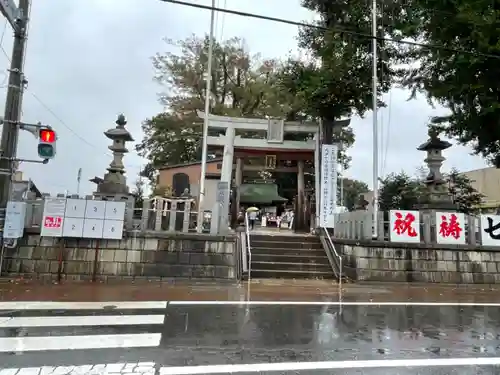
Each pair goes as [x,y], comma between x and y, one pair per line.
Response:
[434,143]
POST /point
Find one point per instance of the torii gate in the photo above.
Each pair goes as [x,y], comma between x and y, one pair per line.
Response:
[273,143]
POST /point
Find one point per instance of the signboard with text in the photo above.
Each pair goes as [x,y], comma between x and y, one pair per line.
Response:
[53,217]
[450,228]
[14,220]
[490,230]
[328,193]
[81,218]
[404,226]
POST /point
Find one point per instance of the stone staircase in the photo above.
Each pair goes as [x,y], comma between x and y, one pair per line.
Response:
[289,256]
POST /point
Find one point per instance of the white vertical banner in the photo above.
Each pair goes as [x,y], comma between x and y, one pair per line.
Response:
[328,199]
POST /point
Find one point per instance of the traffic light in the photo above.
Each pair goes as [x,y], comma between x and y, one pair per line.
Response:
[46,143]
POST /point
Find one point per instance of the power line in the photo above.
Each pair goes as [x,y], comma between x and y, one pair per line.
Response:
[337,29]
[61,121]
[48,109]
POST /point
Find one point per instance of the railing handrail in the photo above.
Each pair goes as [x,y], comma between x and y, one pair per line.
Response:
[247,231]
[339,257]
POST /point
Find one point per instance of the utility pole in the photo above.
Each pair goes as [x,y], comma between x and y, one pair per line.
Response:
[204,147]
[12,116]
[375,119]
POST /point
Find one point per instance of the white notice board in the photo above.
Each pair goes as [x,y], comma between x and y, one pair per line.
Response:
[328,197]
[113,229]
[80,218]
[75,208]
[14,220]
[95,210]
[53,217]
[114,211]
[92,228]
[73,227]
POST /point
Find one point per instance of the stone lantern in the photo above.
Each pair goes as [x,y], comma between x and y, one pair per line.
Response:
[114,182]
[438,196]
[113,187]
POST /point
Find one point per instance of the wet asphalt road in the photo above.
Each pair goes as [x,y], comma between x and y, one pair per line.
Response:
[147,339]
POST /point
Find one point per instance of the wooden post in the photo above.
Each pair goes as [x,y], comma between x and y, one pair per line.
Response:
[299,214]
[61,259]
[96,261]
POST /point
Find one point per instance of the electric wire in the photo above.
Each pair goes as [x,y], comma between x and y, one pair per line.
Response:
[52,112]
[336,29]
[223,19]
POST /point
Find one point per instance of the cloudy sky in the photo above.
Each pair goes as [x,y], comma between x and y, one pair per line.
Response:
[89,60]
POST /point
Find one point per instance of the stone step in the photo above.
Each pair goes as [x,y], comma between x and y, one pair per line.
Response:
[284,238]
[279,245]
[289,266]
[287,274]
[293,258]
[287,251]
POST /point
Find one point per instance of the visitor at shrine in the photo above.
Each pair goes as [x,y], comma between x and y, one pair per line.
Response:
[252,216]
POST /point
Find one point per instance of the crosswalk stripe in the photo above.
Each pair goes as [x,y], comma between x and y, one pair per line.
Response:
[86,320]
[23,344]
[40,305]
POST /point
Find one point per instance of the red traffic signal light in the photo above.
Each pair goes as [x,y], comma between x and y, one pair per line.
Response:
[47,135]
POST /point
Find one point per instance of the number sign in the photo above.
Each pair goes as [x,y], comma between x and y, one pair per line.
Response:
[73,227]
[113,229]
[95,210]
[92,228]
[75,208]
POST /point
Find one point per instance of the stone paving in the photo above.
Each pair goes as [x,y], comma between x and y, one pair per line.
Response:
[260,290]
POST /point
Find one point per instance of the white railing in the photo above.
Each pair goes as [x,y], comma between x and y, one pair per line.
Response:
[168,214]
[338,256]
[249,247]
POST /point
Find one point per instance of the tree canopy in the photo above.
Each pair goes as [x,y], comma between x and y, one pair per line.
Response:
[461,72]
[242,85]
[455,65]
[404,192]
[353,190]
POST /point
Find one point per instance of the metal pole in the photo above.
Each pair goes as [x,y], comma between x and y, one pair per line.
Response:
[78,181]
[375,124]
[341,170]
[12,116]
[204,147]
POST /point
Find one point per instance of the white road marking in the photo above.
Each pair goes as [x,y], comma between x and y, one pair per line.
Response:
[100,369]
[327,365]
[87,320]
[40,305]
[325,303]
[22,344]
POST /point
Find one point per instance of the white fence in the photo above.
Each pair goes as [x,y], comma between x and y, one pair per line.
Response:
[358,225]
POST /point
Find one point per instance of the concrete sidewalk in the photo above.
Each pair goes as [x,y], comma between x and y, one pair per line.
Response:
[260,290]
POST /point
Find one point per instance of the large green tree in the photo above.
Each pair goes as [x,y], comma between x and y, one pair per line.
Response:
[242,85]
[404,192]
[353,190]
[337,81]
[461,71]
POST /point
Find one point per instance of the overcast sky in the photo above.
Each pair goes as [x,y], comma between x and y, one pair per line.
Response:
[89,60]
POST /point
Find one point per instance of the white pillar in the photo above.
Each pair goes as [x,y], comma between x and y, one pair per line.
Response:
[220,213]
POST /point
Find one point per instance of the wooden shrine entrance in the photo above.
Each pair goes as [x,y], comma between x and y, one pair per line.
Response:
[265,153]
[284,172]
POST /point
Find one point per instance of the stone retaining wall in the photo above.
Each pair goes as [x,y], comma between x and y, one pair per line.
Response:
[383,261]
[148,256]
